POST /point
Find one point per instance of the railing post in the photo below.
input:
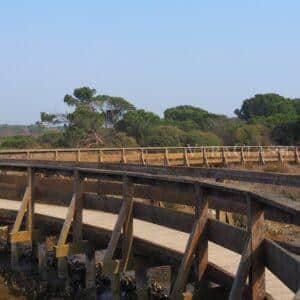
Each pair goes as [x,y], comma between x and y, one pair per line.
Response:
[205,161]
[78,155]
[124,156]
[185,157]
[77,221]
[297,160]
[261,155]
[280,157]
[128,191]
[167,162]
[255,228]
[224,160]
[243,161]
[142,157]
[100,156]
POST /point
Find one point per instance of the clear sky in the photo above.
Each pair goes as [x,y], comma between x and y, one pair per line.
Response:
[155,53]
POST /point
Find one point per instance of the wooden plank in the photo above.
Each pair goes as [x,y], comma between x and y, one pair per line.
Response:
[255,229]
[283,264]
[21,211]
[116,234]
[128,191]
[198,229]
[30,207]
[67,223]
[239,282]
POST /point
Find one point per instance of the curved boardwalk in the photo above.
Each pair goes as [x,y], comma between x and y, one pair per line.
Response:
[170,238]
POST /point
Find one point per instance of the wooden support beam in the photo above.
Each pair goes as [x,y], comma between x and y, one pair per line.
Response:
[239,282]
[77,219]
[243,160]
[186,158]
[297,159]
[142,157]
[71,249]
[166,157]
[124,161]
[199,228]
[128,191]
[255,227]
[100,156]
[224,160]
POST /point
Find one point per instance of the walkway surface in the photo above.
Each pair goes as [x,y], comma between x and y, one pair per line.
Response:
[170,238]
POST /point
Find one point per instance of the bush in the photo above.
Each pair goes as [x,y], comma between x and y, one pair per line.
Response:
[51,139]
[202,138]
[164,136]
[252,135]
[18,141]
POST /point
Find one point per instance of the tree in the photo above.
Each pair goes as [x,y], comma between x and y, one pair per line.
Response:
[137,123]
[164,136]
[83,126]
[287,133]
[266,105]
[188,117]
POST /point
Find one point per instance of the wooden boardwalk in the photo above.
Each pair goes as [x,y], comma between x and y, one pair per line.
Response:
[169,238]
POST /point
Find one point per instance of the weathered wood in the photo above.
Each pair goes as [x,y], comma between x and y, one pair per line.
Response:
[42,260]
[77,218]
[67,223]
[239,282]
[71,249]
[128,191]
[255,229]
[283,264]
[24,236]
[192,244]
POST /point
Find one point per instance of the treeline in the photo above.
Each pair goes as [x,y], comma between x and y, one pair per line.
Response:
[105,121]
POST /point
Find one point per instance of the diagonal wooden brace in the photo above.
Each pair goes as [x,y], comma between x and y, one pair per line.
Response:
[193,247]
[123,226]
[74,217]
[26,211]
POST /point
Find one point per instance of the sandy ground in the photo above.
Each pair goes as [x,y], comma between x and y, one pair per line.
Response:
[170,238]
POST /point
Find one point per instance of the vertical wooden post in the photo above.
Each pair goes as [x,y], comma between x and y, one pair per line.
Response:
[42,260]
[124,156]
[90,274]
[55,155]
[243,161]
[224,160]
[185,157]
[142,157]
[128,191]
[62,267]
[280,157]
[30,208]
[255,229]
[167,162]
[78,155]
[297,160]
[77,221]
[261,155]
[205,161]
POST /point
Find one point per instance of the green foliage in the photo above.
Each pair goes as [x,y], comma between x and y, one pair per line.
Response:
[287,133]
[18,142]
[188,117]
[137,123]
[250,134]
[114,138]
[162,136]
[267,105]
[51,139]
[202,138]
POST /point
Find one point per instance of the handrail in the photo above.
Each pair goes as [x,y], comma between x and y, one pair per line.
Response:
[194,155]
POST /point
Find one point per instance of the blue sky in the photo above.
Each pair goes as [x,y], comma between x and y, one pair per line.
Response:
[157,54]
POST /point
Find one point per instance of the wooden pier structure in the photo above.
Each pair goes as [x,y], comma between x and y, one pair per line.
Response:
[131,193]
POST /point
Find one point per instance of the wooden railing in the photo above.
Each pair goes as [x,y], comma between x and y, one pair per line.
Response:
[168,156]
[83,185]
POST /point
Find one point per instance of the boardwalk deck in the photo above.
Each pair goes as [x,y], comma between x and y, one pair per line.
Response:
[172,239]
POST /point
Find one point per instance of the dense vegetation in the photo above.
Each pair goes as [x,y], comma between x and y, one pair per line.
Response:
[104,121]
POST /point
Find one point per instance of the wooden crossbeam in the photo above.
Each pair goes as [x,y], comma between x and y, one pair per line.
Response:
[198,230]
[242,273]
